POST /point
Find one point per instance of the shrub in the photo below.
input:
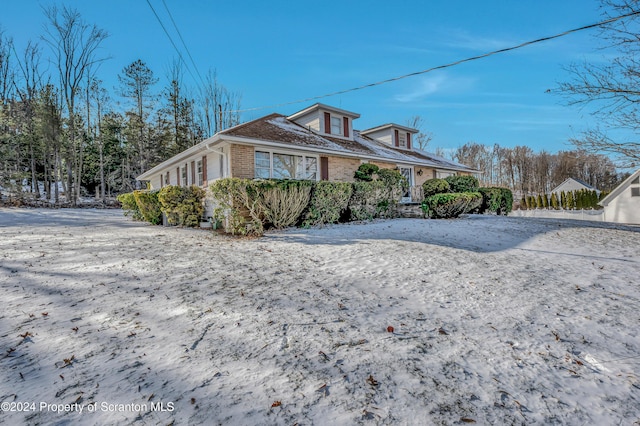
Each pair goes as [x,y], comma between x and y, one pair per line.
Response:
[149,206]
[282,202]
[554,201]
[130,206]
[368,200]
[252,205]
[491,199]
[435,186]
[506,202]
[182,204]
[462,183]
[451,205]
[329,201]
[365,172]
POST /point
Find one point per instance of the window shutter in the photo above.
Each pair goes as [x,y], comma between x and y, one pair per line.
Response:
[327,123]
[324,168]
[345,126]
[408,140]
[396,142]
[178,177]
[193,173]
[204,169]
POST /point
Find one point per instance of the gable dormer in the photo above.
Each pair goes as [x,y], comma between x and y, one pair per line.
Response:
[327,120]
[392,135]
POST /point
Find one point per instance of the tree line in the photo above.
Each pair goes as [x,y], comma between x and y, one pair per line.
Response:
[530,173]
[62,130]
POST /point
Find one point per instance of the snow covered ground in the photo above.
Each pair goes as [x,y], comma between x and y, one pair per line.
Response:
[494,320]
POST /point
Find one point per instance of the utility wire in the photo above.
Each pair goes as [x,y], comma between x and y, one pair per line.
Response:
[451,64]
[183,43]
[171,40]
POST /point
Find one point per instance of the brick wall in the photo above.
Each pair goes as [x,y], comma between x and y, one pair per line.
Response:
[242,162]
[342,169]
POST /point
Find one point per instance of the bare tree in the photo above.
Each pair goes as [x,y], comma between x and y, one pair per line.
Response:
[28,89]
[422,138]
[219,107]
[6,74]
[74,44]
[611,89]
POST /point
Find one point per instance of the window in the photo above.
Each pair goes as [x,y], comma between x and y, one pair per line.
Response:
[263,165]
[402,140]
[635,192]
[166,179]
[199,172]
[183,173]
[285,166]
[336,126]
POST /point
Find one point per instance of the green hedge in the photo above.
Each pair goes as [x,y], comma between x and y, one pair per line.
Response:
[328,204]
[462,183]
[495,199]
[251,206]
[435,186]
[451,205]
[183,205]
[130,206]
[149,206]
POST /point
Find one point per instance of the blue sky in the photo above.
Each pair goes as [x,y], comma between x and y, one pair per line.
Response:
[280,51]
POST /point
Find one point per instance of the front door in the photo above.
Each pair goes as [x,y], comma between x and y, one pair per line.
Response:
[408,173]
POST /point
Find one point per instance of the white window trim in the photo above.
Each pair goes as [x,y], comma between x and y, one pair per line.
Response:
[287,152]
[199,173]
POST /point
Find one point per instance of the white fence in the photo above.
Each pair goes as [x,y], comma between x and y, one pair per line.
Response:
[593,215]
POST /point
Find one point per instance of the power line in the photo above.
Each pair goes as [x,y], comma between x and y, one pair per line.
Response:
[450,64]
[183,43]
[171,40]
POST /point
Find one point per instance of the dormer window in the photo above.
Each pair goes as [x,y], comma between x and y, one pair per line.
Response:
[327,120]
[402,140]
[336,125]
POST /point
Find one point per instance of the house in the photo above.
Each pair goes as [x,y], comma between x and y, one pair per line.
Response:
[317,143]
[571,185]
[622,205]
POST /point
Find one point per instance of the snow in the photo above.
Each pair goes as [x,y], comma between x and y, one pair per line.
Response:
[496,320]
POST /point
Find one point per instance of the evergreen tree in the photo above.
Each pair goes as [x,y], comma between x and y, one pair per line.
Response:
[570,201]
[523,203]
[563,200]
[579,198]
[539,202]
[545,201]
[554,201]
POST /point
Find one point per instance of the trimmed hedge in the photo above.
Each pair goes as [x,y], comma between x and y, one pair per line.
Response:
[149,206]
[435,186]
[250,206]
[451,205]
[365,172]
[329,201]
[130,206]
[182,204]
[495,199]
[462,183]
[369,200]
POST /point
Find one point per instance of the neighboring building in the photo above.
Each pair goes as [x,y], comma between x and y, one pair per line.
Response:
[572,184]
[317,143]
[622,205]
